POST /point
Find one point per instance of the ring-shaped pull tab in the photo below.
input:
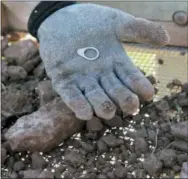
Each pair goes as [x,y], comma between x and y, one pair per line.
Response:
[82,51]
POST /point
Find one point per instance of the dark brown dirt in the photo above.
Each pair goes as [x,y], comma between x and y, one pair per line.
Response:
[126,147]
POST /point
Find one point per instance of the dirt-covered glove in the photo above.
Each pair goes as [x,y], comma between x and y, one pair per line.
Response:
[83,55]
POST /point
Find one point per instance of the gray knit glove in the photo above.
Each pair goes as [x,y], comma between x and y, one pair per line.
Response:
[83,55]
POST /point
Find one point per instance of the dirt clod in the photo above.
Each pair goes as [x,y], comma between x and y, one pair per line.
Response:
[101,146]
[120,172]
[30,173]
[37,161]
[31,64]
[4,44]
[180,130]
[168,157]
[94,125]
[112,141]
[21,51]
[87,147]
[152,165]
[14,175]
[176,82]
[74,157]
[132,158]
[16,72]
[160,61]
[152,79]
[180,145]
[3,155]
[141,145]
[19,166]
[185,87]
[39,71]
[46,92]
[46,174]
[114,122]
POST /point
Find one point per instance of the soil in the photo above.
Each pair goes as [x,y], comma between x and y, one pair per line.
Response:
[146,145]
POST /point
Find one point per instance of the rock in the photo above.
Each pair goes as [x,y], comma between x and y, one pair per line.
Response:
[87,147]
[152,79]
[21,51]
[37,161]
[112,141]
[16,102]
[14,175]
[4,71]
[94,125]
[46,92]
[30,173]
[141,145]
[168,157]
[132,158]
[73,157]
[152,165]
[39,71]
[180,145]
[183,99]
[184,170]
[16,73]
[43,129]
[4,44]
[114,122]
[180,130]
[176,82]
[31,64]
[182,158]
[3,155]
[46,174]
[120,172]
[18,166]
[101,146]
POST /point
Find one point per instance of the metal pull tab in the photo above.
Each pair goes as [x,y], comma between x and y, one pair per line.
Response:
[82,51]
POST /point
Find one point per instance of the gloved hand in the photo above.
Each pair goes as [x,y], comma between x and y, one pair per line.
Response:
[111,80]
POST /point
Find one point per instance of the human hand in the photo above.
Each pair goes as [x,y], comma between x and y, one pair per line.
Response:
[111,80]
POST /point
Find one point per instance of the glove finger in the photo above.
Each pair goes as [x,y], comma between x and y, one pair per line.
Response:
[75,100]
[102,105]
[121,95]
[135,81]
[141,30]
